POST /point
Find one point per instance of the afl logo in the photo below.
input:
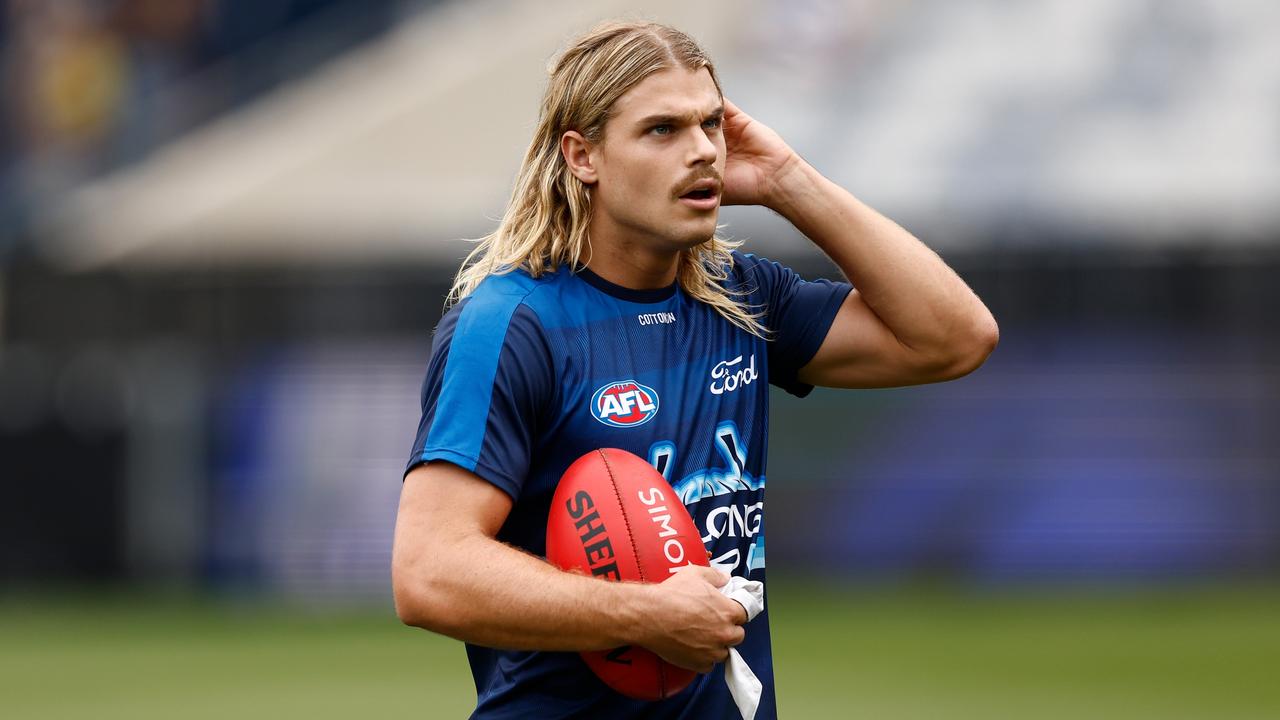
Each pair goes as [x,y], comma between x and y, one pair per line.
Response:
[624,404]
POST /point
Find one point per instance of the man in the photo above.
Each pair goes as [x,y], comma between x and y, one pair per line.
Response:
[605,278]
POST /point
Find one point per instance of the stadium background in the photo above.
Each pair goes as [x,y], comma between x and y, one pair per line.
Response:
[226,227]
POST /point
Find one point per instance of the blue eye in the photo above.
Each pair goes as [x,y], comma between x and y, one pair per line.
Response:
[660,130]
[711,124]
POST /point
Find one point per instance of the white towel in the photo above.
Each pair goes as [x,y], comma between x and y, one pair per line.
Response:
[744,686]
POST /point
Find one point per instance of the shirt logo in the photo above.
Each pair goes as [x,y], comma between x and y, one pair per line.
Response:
[660,318]
[729,375]
[624,404]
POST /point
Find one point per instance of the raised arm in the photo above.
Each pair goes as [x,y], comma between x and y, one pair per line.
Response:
[910,320]
[451,576]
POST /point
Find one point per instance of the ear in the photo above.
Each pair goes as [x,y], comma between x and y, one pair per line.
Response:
[577,155]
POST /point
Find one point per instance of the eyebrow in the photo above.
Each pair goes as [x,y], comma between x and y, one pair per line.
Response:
[675,119]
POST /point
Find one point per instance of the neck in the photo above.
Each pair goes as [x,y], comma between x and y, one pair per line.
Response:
[629,262]
[632,269]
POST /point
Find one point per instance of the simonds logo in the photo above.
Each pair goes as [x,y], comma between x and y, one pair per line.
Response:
[624,404]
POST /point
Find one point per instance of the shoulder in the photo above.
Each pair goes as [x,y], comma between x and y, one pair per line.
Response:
[755,276]
[502,294]
[501,306]
[749,264]
[507,290]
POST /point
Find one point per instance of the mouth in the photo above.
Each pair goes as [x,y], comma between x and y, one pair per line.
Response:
[703,195]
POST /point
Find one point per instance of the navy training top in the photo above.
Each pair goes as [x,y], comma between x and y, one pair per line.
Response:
[526,375]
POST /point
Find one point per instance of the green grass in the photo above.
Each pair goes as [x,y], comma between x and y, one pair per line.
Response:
[1211,653]
[1187,654]
[165,659]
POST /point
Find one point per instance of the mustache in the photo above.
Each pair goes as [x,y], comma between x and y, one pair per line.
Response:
[705,173]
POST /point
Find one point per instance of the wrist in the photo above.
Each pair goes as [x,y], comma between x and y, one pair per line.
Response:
[634,613]
[791,183]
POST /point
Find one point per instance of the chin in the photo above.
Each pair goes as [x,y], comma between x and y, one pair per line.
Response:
[696,236]
[694,240]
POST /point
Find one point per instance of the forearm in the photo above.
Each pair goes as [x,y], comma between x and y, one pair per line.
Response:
[480,591]
[913,292]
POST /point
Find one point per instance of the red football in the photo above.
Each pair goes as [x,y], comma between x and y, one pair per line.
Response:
[615,517]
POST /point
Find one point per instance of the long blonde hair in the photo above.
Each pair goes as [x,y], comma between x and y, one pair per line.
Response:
[546,221]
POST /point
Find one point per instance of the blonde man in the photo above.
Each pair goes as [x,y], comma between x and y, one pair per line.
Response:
[604,312]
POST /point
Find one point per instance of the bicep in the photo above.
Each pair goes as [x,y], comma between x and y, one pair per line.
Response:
[447,515]
[441,502]
[860,351]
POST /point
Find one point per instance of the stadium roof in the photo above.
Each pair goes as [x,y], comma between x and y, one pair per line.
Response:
[969,122]
[390,153]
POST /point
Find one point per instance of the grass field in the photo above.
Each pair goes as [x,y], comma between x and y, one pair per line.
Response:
[1194,654]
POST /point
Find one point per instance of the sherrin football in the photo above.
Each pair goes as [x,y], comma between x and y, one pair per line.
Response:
[616,518]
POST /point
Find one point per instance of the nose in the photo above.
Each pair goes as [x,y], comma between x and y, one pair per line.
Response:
[702,150]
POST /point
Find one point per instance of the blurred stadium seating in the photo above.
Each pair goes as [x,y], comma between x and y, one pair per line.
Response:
[228,227]
[226,231]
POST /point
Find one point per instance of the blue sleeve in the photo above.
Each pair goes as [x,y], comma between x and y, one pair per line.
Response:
[797,313]
[487,386]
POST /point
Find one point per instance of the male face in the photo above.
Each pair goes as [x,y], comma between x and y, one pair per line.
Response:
[661,161]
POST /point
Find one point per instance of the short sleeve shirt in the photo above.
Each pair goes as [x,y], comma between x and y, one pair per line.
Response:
[528,374]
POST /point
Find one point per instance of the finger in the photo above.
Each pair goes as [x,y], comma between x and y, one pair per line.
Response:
[715,577]
[738,637]
[745,615]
